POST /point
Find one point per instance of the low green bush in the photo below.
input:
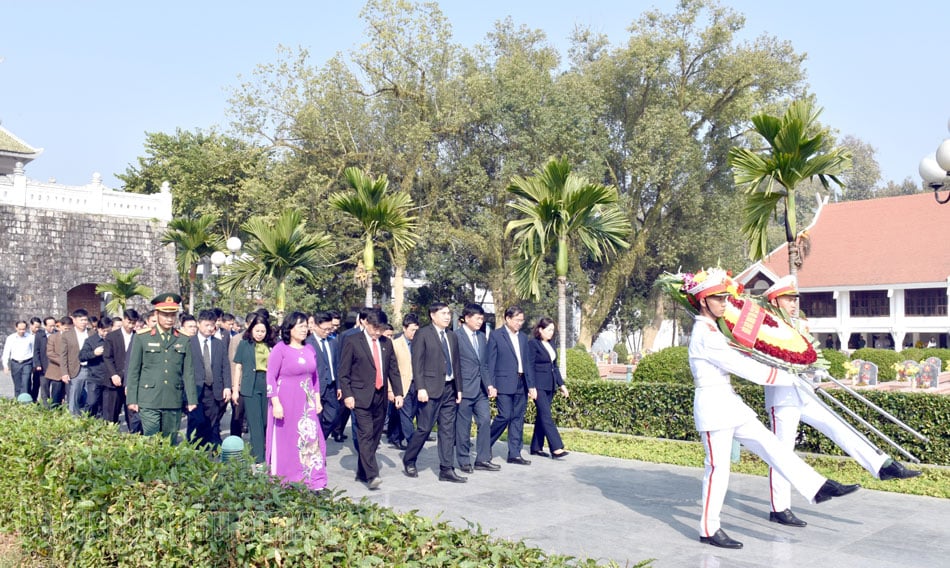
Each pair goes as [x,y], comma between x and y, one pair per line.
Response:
[836,360]
[883,358]
[919,354]
[79,493]
[670,365]
[581,366]
[623,356]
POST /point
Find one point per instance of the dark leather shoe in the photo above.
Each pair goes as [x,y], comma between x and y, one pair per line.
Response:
[340,437]
[720,539]
[560,455]
[400,445]
[410,470]
[487,466]
[540,453]
[787,518]
[519,460]
[896,470]
[450,475]
[375,483]
[467,468]
[832,488]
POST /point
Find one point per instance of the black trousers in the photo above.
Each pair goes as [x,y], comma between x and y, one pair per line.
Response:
[209,429]
[544,426]
[369,429]
[442,410]
[113,399]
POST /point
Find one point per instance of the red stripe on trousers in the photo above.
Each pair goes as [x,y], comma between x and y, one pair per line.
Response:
[712,470]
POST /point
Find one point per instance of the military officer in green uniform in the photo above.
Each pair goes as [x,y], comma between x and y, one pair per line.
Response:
[161,373]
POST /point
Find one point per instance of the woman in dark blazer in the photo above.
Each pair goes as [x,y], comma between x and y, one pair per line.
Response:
[542,364]
[249,383]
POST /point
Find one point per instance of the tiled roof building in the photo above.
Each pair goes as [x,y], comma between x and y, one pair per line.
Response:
[877,272]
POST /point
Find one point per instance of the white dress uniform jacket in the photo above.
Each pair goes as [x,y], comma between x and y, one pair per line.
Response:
[716,406]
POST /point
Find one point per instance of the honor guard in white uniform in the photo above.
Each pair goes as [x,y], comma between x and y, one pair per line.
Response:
[786,407]
[722,416]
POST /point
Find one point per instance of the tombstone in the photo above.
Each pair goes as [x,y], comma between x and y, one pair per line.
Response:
[867,373]
[929,376]
[853,374]
[935,361]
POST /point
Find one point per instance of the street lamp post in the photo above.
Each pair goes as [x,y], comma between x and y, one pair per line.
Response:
[234,247]
[218,259]
[935,170]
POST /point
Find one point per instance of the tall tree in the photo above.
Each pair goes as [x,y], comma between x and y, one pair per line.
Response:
[381,215]
[193,240]
[124,287]
[798,150]
[558,210]
[674,97]
[275,252]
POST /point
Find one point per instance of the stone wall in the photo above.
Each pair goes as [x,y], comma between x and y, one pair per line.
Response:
[45,253]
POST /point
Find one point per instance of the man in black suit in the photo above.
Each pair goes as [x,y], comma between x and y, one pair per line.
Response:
[508,367]
[438,381]
[476,390]
[328,358]
[40,357]
[118,344]
[367,363]
[344,414]
[209,360]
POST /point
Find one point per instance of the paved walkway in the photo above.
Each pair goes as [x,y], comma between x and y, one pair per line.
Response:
[628,511]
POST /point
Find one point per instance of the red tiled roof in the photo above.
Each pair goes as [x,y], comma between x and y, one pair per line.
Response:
[891,240]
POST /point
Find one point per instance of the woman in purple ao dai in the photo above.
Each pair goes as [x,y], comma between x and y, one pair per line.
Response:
[295,448]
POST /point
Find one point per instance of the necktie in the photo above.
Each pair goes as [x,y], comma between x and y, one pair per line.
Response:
[445,352]
[326,353]
[475,345]
[206,355]
[379,365]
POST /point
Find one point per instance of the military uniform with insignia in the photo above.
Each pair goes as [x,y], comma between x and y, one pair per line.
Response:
[160,374]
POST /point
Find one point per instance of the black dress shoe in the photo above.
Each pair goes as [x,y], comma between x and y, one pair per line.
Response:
[410,470]
[720,539]
[896,470]
[467,468]
[560,455]
[787,518]
[450,475]
[400,445]
[487,466]
[832,488]
[540,453]
[519,460]
[339,437]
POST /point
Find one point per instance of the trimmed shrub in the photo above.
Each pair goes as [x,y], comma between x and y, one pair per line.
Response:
[623,356]
[670,365]
[883,358]
[581,366]
[836,360]
[919,354]
[79,493]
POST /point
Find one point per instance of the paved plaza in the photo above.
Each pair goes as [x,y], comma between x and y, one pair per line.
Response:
[628,511]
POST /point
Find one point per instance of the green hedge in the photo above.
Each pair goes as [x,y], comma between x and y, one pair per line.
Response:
[919,354]
[668,365]
[79,493]
[836,361]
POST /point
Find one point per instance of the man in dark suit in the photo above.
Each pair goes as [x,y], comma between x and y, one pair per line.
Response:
[476,390]
[118,345]
[344,414]
[92,355]
[367,364]
[40,357]
[507,366]
[209,360]
[328,358]
[438,381]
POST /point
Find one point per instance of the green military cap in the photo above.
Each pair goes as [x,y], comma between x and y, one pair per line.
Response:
[167,302]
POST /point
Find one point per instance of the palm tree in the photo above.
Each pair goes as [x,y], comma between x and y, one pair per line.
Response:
[193,240]
[798,150]
[378,213]
[125,287]
[276,252]
[560,209]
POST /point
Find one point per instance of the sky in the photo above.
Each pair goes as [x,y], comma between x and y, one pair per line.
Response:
[85,81]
